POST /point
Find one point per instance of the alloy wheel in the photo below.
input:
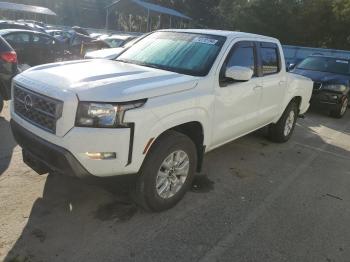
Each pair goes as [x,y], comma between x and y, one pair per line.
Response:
[172,174]
[289,123]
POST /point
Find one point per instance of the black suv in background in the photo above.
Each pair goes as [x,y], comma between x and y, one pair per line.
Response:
[34,48]
[331,78]
[8,69]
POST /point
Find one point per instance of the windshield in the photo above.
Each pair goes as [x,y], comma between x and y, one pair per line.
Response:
[326,64]
[185,53]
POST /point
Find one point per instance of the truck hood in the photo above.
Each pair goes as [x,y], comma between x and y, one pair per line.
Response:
[104,80]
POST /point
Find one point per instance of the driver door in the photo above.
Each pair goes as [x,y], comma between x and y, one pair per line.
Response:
[237,103]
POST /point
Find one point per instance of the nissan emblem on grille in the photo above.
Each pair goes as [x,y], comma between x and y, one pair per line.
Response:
[38,109]
[28,102]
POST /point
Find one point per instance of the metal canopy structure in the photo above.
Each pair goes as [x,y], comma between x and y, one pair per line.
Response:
[140,7]
[26,8]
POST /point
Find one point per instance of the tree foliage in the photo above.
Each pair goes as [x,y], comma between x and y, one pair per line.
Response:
[317,23]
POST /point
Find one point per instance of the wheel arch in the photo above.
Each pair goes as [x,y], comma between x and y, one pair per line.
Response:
[297,99]
[194,130]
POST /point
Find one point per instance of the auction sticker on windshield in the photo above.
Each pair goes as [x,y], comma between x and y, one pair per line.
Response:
[204,40]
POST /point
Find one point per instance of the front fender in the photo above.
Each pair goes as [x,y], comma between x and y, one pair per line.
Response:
[182,117]
[150,122]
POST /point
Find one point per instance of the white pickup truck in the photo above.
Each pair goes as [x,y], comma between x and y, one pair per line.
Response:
[157,109]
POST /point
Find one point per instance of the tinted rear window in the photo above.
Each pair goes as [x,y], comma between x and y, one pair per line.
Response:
[269,56]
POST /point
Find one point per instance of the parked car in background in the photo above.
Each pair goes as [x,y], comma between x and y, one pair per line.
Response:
[36,27]
[97,35]
[79,45]
[157,109]
[110,53]
[80,30]
[115,41]
[8,69]
[33,22]
[34,48]
[13,25]
[331,78]
[295,54]
[61,35]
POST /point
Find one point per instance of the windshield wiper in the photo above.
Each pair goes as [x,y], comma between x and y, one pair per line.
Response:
[125,61]
[150,65]
[155,66]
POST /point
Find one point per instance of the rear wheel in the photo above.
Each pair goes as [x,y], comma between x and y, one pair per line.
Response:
[167,172]
[282,131]
[341,109]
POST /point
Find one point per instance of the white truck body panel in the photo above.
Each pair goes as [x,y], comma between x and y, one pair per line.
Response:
[173,99]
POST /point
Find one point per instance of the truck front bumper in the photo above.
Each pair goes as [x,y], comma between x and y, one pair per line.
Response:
[43,156]
[45,152]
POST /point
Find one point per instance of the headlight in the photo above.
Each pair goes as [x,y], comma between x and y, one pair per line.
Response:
[335,87]
[104,115]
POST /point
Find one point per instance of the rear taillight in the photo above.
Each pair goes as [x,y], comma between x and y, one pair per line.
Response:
[9,57]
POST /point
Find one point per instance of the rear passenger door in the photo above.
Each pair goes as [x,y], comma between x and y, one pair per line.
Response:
[273,81]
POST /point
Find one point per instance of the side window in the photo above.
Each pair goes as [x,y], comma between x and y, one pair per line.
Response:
[18,38]
[41,39]
[243,55]
[270,59]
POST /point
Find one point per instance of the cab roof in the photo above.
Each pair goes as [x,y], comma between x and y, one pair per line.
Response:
[228,34]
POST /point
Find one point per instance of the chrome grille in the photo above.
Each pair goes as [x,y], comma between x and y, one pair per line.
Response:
[40,110]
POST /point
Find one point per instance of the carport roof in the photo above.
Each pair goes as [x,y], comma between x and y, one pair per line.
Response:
[124,4]
[26,8]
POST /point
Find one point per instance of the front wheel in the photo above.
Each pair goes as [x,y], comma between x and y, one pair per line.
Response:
[167,172]
[282,131]
[341,109]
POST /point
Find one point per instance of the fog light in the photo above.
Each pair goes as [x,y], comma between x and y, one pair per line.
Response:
[102,156]
[335,97]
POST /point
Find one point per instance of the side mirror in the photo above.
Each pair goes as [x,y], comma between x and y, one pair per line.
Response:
[290,67]
[239,73]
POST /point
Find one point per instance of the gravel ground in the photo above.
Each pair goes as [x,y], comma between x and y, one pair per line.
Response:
[254,201]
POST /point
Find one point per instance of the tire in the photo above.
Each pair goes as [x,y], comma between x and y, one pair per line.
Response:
[341,109]
[155,170]
[1,103]
[279,132]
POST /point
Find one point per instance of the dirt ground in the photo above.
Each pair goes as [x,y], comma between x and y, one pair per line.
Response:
[254,201]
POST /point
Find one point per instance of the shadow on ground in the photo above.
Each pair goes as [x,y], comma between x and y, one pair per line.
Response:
[7,144]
